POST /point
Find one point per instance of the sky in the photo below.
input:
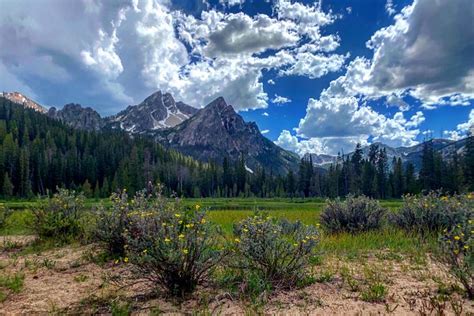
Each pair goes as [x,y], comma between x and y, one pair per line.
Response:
[316,77]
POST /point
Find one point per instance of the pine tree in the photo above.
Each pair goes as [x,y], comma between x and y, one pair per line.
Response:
[7,189]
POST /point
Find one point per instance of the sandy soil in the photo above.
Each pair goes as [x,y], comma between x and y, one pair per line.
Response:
[65,280]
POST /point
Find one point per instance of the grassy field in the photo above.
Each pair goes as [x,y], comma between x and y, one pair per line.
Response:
[227,212]
[370,272]
[224,212]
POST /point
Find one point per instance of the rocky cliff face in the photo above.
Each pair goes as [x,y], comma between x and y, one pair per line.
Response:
[157,111]
[78,117]
[19,98]
[217,131]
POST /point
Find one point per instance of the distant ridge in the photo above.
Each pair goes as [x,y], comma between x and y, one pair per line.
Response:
[19,98]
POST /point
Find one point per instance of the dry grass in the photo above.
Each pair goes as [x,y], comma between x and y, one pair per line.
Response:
[73,279]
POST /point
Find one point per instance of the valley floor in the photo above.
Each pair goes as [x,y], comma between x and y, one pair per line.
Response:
[73,279]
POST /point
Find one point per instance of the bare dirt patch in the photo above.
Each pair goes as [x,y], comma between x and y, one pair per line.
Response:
[66,280]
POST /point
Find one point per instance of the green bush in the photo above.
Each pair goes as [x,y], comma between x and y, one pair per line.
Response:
[457,252]
[279,251]
[175,248]
[353,215]
[4,213]
[59,217]
[431,213]
[112,224]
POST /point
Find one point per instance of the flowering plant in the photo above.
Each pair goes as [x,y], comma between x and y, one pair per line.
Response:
[278,250]
[456,250]
[174,247]
[60,216]
[433,212]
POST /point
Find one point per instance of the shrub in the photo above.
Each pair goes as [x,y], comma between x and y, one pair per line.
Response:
[353,215]
[431,213]
[175,248]
[277,250]
[112,224]
[59,217]
[456,251]
[4,213]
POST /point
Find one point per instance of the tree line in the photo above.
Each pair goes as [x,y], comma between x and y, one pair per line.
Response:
[39,154]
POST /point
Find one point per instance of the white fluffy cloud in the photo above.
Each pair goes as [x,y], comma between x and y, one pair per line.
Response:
[331,145]
[123,50]
[416,56]
[278,99]
[462,129]
[432,60]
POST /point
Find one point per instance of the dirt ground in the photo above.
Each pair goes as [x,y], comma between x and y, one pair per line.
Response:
[66,280]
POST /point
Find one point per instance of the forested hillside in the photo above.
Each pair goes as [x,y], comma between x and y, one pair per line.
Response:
[39,154]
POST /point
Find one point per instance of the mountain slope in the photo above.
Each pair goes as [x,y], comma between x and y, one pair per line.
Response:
[18,98]
[217,131]
[157,111]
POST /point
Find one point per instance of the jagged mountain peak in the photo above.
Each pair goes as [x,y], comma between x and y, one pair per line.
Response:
[157,111]
[217,131]
[77,116]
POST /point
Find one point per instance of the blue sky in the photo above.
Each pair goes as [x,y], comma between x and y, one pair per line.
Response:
[315,76]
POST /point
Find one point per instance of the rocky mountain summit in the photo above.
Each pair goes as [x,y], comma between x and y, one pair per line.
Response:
[78,117]
[217,131]
[158,111]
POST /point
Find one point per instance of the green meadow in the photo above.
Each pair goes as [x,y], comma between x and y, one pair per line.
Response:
[227,212]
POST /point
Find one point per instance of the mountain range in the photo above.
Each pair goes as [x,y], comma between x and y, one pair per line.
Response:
[211,133]
[411,154]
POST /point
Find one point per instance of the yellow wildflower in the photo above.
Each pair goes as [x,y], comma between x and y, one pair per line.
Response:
[295,244]
[116,261]
[185,251]
[457,237]
[167,240]
[466,247]
[198,207]
[181,236]
[125,259]
[177,215]
[180,222]
[237,240]
[245,230]
[203,221]
[145,251]
[189,225]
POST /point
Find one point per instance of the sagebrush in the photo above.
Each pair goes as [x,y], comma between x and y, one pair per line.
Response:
[352,215]
[59,217]
[433,212]
[173,246]
[277,250]
[456,251]
[113,222]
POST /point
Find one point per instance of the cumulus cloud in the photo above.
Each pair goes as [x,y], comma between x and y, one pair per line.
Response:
[430,59]
[416,56]
[123,50]
[278,99]
[265,131]
[463,129]
[265,114]
[390,8]
[322,145]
